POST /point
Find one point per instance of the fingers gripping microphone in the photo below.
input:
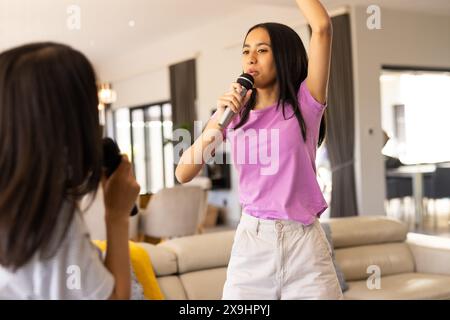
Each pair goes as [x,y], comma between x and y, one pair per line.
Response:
[111,160]
[246,81]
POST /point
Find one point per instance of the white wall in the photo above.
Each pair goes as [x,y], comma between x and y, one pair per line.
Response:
[404,39]
[144,88]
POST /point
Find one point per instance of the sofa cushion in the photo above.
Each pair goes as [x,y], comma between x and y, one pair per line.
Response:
[339,273]
[431,253]
[391,258]
[172,288]
[411,286]
[164,261]
[204,284]
[364,230]
[199,252]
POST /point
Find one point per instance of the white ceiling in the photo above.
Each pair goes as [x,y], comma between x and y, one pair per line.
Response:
[105,24]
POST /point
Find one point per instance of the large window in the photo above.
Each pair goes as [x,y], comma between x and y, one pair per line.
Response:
[145,134]
[415,113]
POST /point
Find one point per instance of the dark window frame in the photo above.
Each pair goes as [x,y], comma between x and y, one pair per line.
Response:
[144,108]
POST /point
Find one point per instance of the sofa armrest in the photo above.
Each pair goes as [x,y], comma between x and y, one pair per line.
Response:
[164,262]
[431,253]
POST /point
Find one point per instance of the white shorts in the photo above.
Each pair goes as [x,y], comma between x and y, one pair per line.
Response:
[280,259]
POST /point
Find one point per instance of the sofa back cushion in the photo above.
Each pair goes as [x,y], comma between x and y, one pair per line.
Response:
[200,252]
[204,284]
[390,258]
[172,288]
[366,230]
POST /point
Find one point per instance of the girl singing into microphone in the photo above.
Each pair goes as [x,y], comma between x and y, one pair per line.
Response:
[280,250]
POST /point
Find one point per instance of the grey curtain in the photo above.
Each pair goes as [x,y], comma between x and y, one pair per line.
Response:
[340,121]
[183,93]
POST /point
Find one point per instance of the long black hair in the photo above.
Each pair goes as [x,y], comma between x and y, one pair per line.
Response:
[50,147]
[291,62]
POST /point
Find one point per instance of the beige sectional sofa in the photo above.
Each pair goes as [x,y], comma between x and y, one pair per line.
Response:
[411,266]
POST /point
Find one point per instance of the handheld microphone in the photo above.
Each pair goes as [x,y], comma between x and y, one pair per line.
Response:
[246,81]
[111,160]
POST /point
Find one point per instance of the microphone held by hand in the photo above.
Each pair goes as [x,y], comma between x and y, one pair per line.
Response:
[111,160]
[246,81]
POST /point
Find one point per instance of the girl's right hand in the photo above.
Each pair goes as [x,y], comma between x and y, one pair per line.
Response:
[233,99]
[120,191]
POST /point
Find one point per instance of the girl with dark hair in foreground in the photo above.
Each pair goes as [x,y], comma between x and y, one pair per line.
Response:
[50,157]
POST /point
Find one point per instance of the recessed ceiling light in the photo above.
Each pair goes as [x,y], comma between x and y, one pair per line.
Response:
[131,23]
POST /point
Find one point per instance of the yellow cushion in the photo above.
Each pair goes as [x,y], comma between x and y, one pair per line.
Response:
[143,269]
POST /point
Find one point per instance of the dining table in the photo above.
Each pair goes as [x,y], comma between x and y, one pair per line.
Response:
[417,173]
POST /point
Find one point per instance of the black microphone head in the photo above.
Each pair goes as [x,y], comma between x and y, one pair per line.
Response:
[246,80]
[111,156]
[111,160]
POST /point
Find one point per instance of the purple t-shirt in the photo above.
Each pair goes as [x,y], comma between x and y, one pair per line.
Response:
[276,167]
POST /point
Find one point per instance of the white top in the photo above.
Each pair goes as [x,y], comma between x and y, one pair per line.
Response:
[75,272]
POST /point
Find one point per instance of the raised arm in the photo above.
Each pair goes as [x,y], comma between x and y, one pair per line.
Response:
[319,47]
[192,160]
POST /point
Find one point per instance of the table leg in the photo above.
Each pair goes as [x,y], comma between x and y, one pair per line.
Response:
[418,199]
